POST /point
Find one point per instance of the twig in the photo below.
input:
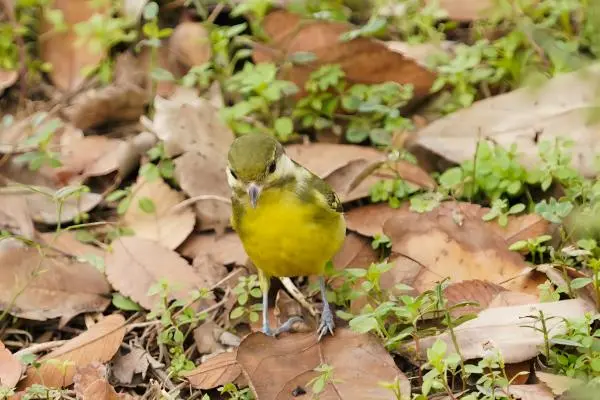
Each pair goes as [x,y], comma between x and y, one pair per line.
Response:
[192,200]
[298,296]
[39,347]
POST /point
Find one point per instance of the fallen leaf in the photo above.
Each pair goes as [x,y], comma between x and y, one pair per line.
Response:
[558,384]
[508,329]
[212,272]
[169,228]
[10,368]
[133,8]
[420,52]
[465,10]
[356,252]
[364,60]
[212,211]
[52,286]
[126,366]
[566,103]
[47,208]
[344,167]
[136,264]
[449,242]
[225,249]
[187,122]
[91,384]
[531,392]
[206,337]
[15,216]
[7,79]
[190,44]
[216,371]
[98,344]
[275,367]
[67,242]
[66,51]
[369,220]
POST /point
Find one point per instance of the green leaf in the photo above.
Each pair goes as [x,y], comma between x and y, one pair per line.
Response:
[150,11]
[147,205]
[579,283]
[117,195]
[303,57]
[364,324]
[236,313]
[284,126]
[161,74]
[125,303]
[150,172]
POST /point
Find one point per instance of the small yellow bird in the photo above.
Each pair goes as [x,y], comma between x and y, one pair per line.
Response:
[289,220]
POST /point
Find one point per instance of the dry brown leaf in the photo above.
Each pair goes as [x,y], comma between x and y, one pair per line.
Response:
[225,249]
[565,105]
[558,384]
[346,167]
[10,368]
[206,337]
[53,286]
[369,220]
[364,60]
[531,392]
[216,371]
[465,10]
[43,205]
[187,122]
[98,344]
[275,367]
[508,329]
[126,366]
[356,252]
[420,52]
[7,79]
[190,44]
[67,242]
[212,272]
[91,384]
[136,264]
[211,213]
[449,242]
[66,51]
[15,216]
[169,228]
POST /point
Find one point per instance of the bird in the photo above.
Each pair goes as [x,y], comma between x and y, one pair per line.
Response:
[290,221]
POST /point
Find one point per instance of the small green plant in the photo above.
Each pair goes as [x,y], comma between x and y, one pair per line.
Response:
[440,364]
[234,393]
[534,246]
[501,211]
[325,376]
[42,140]
[247,288]
[178,319]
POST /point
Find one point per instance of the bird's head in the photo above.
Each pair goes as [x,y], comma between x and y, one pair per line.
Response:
[255,162]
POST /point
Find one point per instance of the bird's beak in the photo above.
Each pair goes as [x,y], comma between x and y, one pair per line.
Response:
[254,193]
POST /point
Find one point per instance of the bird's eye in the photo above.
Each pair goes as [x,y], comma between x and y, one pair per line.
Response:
[233,174]
[272,167]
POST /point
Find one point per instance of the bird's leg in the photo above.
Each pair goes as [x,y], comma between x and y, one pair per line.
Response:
[264,281]
[327,322]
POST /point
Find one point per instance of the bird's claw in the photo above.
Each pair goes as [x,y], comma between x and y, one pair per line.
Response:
[327,323]
[286,327]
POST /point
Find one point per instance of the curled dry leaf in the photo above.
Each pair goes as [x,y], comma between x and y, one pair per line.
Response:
[126,366]
[136,264]
[7,79]
[225,249]
[91,384]
[10,368]
[66,51]
[169,228]
[98,344]
[364,60]
[275,367]
[52,286]
[123,100]
[216,371]
[508,329]
[563,105]
[347,168]
[449,242]
[190,44]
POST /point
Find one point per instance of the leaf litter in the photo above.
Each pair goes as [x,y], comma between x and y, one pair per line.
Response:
[176,229]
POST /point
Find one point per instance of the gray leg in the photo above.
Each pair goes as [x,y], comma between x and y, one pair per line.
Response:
[327,323]
[265,313]
[263,281]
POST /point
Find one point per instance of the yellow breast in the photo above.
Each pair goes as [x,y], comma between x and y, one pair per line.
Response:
[285,236]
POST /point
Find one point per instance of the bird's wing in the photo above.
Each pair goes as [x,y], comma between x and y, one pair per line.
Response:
[324,194]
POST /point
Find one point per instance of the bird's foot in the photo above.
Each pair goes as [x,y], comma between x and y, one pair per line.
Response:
[286,327]
[327,323]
